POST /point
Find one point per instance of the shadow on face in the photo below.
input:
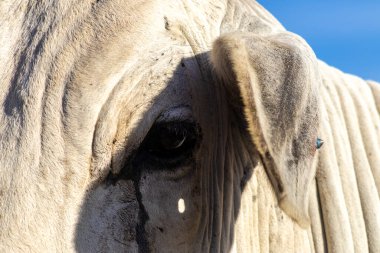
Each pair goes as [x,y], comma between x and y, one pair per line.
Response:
[180,180]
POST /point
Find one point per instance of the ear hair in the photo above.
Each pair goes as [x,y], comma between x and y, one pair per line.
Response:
[277,78]
[231,70]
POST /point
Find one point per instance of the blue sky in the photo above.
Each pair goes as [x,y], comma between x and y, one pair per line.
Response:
[345,34]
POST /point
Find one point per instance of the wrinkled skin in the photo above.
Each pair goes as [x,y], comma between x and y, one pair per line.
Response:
[133,126]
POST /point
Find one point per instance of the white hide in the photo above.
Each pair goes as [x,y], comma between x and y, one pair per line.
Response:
[83,82]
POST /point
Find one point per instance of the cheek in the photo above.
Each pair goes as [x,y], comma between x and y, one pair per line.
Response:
[173,208]
[108,219]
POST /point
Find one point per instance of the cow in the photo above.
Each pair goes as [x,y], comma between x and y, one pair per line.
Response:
[179,126]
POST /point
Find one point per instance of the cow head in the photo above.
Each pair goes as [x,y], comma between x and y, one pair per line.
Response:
[141,136]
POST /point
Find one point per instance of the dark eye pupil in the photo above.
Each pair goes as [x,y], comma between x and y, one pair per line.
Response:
[169,143]
[169,140]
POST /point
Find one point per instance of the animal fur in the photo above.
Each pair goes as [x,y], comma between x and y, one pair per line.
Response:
[81,84]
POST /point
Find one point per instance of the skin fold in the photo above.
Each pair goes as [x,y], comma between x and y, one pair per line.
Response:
[179,126]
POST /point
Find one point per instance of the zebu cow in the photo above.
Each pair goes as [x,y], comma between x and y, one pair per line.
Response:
[179,126]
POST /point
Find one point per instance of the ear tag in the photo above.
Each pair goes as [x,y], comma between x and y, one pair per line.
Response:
[319,143]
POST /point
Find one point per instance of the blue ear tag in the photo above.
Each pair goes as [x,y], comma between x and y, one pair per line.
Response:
[319,143]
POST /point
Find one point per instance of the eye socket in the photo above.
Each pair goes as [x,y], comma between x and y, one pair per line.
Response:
[169,144]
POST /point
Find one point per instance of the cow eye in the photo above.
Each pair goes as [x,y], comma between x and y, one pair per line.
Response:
[169,144]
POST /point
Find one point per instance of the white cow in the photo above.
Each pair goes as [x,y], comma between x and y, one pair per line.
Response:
[179,126]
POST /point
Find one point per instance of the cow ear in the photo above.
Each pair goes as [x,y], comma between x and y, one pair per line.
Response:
[277,80]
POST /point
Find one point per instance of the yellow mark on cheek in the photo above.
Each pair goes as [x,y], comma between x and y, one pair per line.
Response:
[181,205]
